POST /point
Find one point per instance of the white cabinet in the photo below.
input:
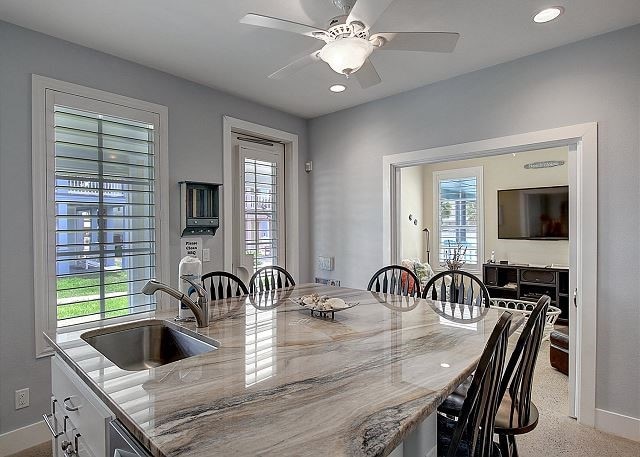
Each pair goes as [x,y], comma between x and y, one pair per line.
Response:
[79,414]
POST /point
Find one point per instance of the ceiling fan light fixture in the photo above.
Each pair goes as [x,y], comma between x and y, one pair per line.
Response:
[548,14]
[346,55]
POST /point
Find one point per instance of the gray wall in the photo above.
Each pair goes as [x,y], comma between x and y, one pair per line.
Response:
[195,152]
[593,80]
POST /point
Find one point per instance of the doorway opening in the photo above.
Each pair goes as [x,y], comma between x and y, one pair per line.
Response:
[507,217]
[580,141]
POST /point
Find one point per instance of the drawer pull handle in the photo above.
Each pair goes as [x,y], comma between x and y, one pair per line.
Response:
[54,433]
[67,407]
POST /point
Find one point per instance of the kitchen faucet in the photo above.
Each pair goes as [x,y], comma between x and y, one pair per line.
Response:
[200,309]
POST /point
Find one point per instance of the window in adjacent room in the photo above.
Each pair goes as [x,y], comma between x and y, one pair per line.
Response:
[458,214]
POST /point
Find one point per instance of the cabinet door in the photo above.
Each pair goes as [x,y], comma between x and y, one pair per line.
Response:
[491,276]
[86,412]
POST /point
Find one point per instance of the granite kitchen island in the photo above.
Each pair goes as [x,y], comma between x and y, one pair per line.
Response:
[284,383]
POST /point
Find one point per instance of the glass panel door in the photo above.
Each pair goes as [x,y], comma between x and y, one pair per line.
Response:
[261,204]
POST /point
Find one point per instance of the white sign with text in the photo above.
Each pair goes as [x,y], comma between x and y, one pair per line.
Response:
[191,246]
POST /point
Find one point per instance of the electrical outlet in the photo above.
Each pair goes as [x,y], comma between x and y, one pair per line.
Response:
[22,398]
[206,255]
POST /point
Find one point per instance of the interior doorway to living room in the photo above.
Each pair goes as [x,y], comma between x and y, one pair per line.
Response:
[582,143]
[507,218]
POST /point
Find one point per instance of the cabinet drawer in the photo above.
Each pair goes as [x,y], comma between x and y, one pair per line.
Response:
[86,412]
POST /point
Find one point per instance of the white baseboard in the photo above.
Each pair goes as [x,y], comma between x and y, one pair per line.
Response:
[618,424]
[24,438]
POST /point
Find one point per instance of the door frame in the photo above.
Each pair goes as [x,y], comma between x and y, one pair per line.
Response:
[232,125]
[582,140]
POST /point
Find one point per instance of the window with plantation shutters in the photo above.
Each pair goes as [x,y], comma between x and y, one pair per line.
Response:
[458,215]
[105,215]
[102,236]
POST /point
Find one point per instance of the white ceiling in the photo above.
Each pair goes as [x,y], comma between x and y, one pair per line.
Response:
[201,40]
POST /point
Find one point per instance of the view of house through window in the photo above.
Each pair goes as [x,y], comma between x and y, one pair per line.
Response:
[105,215]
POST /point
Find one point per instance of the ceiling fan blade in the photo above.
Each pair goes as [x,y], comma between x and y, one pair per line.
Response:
[367,75]
[368,11]
[295,66]
[417,41]
[281,24]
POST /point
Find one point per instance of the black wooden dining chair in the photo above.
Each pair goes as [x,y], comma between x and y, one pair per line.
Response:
[221,285]
[269,278]
[396,280]
[472,434]
[516,413]
[463,288]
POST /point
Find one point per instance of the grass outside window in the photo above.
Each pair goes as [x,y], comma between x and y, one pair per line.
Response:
[88,285]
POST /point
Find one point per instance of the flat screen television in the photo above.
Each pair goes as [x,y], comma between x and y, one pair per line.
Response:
[539,213]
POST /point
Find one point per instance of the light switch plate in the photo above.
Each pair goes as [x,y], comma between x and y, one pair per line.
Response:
[206,255]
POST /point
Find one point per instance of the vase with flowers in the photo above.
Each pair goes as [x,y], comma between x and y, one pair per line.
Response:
[454,256]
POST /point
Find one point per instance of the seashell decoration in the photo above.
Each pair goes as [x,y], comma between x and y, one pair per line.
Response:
[323,303]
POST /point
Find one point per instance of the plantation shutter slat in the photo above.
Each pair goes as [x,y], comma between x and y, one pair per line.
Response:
[105,213]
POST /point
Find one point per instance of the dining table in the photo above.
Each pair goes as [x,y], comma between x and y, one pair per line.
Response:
[362,381]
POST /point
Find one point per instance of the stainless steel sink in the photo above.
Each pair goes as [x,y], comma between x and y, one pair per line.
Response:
[147,344]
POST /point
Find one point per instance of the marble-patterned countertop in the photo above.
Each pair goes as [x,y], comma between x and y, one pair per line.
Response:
[287,384]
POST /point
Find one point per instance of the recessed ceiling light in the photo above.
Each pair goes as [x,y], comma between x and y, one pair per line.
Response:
[548,14]
[337,88]
[445,365]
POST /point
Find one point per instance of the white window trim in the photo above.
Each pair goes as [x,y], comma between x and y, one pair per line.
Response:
[440,175]
[45,313]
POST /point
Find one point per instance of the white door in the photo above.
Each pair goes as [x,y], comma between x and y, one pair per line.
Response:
[260,207]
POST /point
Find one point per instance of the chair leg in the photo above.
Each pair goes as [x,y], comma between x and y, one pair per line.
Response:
[504,446]
[514,446]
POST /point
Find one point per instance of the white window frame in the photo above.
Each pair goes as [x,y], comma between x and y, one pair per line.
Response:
[43,212]
[440,175]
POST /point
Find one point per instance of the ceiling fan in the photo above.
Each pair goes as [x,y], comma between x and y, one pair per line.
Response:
[348,43]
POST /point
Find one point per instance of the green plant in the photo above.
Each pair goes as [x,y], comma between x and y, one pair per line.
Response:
[445,210]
